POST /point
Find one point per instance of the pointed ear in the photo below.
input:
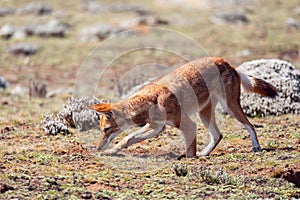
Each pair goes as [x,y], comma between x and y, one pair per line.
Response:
[101,107]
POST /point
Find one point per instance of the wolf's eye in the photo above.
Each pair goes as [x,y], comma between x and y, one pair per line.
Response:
[106,129]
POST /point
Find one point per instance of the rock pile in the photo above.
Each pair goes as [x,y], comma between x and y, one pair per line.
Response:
[74,114]
[284,76]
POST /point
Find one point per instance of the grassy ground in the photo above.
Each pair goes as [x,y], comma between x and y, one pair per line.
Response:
[36,165]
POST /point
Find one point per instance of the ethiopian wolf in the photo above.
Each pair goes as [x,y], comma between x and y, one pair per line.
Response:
[195,87]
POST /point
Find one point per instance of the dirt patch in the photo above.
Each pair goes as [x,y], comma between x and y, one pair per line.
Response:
[4,187]
[292,175]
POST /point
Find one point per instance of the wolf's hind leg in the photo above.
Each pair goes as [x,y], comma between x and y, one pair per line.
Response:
[207,116]
[189,131]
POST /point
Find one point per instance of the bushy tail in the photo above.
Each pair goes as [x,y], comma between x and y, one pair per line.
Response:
[256,85]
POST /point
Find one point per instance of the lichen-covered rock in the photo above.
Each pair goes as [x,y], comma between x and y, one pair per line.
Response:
[74,114]
[23,49]
[86,119]
[284,76]
[229,17]
[53,126]
[38,8]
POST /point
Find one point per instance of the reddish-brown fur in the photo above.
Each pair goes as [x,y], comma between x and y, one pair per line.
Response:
[195,87]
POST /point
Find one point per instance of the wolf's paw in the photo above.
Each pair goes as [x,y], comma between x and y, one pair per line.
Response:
[256,149]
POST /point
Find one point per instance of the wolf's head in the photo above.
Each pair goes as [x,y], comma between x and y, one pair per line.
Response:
[112,123]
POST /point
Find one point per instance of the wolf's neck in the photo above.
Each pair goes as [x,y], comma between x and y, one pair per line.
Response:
[136,108]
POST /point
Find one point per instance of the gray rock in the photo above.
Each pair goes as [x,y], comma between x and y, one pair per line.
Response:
[122,7]
[86,120]
[284,76]
[96,32]
[7,31]
[6,11]
[95,7]
[76,114]
[3,83]
[29,29]
[23,49]
[38,8]
[292,23]
[229,17]
[53,126]
[151,21]
[52,28]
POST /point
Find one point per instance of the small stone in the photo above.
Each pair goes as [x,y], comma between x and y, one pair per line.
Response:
[7,31]
[23,49]
[52,28]
[229,17]
[37,8]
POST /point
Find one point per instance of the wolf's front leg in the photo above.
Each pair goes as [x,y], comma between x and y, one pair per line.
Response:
[147,131]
